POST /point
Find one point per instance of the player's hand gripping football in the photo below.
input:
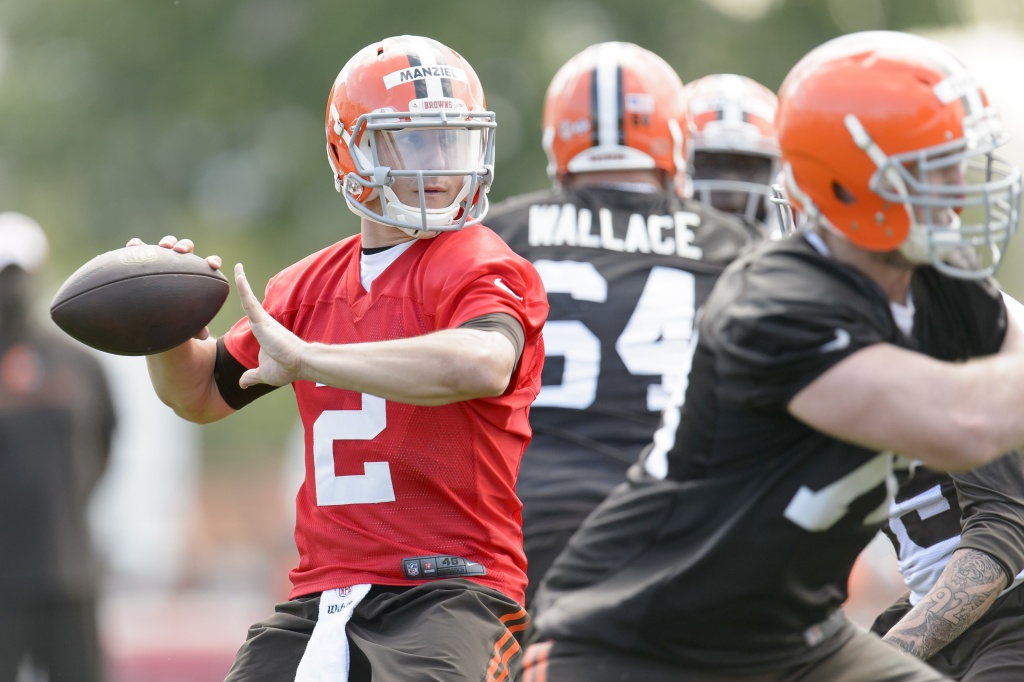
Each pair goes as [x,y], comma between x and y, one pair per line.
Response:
[280,351]
[182,246]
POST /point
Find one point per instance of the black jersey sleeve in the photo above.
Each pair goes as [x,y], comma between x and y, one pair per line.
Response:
[992,503]
[780,322]
[957,319]
[226,372]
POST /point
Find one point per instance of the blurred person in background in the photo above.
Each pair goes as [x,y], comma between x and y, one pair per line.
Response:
[875,582]
[875,329]
[732,149]
[414,350]
[960,542]
[626,264]
[56,424]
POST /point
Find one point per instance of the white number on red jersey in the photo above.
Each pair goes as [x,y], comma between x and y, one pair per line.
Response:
[374,485]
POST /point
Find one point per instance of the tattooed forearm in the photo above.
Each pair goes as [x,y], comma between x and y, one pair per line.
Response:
[966,589]
[901,643]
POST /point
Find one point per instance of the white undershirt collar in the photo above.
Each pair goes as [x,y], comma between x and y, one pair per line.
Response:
[903,314]
[372,264]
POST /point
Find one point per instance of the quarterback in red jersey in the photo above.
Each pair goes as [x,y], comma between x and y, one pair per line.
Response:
[414,350]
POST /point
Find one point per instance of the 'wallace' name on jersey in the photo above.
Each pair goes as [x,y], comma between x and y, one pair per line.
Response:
[565,224]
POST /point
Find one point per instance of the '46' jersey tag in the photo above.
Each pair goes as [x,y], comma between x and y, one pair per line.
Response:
[432,567]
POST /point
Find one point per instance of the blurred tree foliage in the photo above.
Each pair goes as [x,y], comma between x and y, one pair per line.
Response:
[204,119]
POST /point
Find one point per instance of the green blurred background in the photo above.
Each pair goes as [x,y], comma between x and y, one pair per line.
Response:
[205,118]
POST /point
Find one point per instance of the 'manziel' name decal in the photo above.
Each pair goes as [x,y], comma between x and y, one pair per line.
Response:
[418,73]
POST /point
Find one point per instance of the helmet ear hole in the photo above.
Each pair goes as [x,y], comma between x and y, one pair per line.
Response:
[842,194]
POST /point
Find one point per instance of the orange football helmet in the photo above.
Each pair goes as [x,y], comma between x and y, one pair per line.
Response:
[410,107]
[732,148]
[614,106]
[887,139]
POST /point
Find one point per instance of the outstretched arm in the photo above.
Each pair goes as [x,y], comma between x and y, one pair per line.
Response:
[952,416]
[964,592]
[434,369]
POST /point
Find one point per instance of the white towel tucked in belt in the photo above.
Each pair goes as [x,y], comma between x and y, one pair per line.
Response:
[326,658]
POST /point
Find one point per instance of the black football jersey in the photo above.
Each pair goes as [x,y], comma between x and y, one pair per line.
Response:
[625,273]
[935,513]
[740,556]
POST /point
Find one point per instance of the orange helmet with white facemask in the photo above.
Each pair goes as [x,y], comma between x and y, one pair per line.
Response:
[410,107]
[887,139]
[614,106]
[733,152]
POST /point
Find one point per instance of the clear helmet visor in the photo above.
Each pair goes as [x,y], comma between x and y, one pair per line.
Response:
[452,150]
[432,172]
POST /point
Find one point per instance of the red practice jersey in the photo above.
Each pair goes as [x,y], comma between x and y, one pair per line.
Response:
[396,494]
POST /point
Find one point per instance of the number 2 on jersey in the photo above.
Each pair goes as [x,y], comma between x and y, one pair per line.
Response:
[374,485]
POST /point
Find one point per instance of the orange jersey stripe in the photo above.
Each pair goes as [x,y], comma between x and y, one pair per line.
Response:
[535,666]
[507,646]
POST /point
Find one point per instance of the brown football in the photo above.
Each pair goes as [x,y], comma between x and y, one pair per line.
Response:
[139,300]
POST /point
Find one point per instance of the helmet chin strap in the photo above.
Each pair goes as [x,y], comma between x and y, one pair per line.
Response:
[419,234]
[391,211]
[394,208]
[920,245]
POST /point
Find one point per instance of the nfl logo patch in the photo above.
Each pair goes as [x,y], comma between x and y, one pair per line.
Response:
[413,568]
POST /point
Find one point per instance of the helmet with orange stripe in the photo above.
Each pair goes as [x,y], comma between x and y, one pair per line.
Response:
[733,151]
[614,106]
[406,119]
